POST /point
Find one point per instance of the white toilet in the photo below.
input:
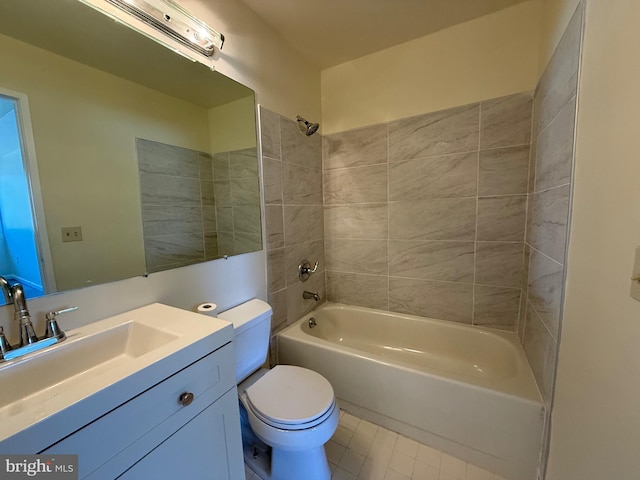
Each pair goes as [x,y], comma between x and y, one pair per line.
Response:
[291,409]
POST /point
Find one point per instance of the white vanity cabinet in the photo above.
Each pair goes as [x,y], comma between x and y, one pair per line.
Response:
[186,426]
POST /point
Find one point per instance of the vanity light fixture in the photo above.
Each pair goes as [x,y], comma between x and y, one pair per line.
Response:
[173,20]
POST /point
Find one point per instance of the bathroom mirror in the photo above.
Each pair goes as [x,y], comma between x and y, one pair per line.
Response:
[119,157]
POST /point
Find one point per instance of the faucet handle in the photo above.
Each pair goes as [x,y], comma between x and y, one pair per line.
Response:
[305,270]
[53,330]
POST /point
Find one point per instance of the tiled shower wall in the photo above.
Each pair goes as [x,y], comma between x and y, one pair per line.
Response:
[426,215]
[554,123]
[292,168]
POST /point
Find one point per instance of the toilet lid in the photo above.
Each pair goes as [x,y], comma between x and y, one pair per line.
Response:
[290,395]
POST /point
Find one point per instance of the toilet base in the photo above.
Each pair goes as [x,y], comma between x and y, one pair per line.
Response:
[309,464]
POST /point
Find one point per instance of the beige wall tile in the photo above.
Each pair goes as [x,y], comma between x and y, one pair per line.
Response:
[206,166]
[165,220]
[357,256]
[432,260]
[225,218]
[363,146]
[446,176]
[207,195]
[278,302]
[356,185]
[541,352]
[160,158]
[301,185]
[209,223]
[433,219]
[302,224]
[270,133]
[499,264]
[496,305]
[276,270]
[274,219]
[226,243]
[211,246]
[356,289]
[506,121]
[298,148]
[504,171]
[502,218]
[180,248]
[440,300]
[369,221]
[297,306]
[246,219]
[545,289]
[454,130]
[272,172]
[247,242]
[221,167]
[554,150]
[243,163]
[158,189]
[548,221]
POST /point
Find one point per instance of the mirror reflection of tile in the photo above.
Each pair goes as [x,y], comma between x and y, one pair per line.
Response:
[196,207]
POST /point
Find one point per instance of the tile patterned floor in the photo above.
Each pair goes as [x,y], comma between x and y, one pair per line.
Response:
[360,450]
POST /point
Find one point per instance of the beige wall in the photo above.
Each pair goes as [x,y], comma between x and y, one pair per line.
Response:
[228,126]
[485,58]
[85,123]
[596,425]
[555,16]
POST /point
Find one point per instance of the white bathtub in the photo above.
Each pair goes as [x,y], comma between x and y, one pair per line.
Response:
[465,390]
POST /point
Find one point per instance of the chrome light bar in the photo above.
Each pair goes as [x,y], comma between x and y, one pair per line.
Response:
[173,20]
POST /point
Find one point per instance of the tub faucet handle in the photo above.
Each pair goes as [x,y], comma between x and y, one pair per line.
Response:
[305,270]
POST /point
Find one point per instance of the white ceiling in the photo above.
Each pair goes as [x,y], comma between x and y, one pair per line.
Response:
[330,32]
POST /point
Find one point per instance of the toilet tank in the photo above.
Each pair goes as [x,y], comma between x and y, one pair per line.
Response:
[252,330]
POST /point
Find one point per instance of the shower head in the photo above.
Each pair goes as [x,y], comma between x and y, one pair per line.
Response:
[306,127]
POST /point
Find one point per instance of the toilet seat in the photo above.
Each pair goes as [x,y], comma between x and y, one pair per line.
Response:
[291,398]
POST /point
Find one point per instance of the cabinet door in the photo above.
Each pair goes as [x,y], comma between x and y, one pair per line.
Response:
[207,447]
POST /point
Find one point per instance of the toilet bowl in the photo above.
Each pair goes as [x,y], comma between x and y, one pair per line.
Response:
[291,410]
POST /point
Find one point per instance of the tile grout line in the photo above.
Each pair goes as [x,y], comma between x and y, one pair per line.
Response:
[475,238]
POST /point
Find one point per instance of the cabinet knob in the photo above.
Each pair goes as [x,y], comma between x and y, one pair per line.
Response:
[186,398]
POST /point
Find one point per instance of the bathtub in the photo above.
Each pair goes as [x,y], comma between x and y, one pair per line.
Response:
[465,390]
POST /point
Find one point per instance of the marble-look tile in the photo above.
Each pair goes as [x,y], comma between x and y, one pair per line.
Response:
[222,192]
[246,219]
[496,305]
[439,300]
[522,319]
[221,167]
[179,248]
[532,167]
[506,121]
[160,158]
[297,306]
[163,190]
[278,302]
[526,267]
[270,133]
[446,176]
[301,185]
[209,223]
[366,184]
[560,80]
[432,260]
[276,270]
[272,173]
[499,264]
[299,148]
[545,289]
[295,254]
[245,191]
[243,163]
[211,246]
[224,217]
[504,171]
[302,224]
[357,256]
[357,289]
[433,219]
[206,166]
[540,348]
[207,194]
[368,221]
[548,221]
[353,148]
[454,130]
[169,219]
[502,219]
[226,244]
[275,226]
[554,149]
[247,242]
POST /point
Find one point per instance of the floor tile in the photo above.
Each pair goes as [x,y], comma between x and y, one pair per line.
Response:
[386,437]
[453,467]
[477,473]
[424,471]
[401,463]
[340,474]
[334,451]
[407,446]
[393,475]
[351,462]
[429,455]
[349,422]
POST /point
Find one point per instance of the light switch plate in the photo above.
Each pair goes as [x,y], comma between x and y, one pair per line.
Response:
[635,277]
[71,234]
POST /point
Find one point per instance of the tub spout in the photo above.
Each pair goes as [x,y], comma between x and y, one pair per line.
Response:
[309,295]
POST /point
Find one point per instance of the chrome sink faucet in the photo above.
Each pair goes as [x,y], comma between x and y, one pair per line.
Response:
[15,294]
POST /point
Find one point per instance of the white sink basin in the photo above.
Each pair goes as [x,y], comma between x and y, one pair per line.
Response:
[114,358]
